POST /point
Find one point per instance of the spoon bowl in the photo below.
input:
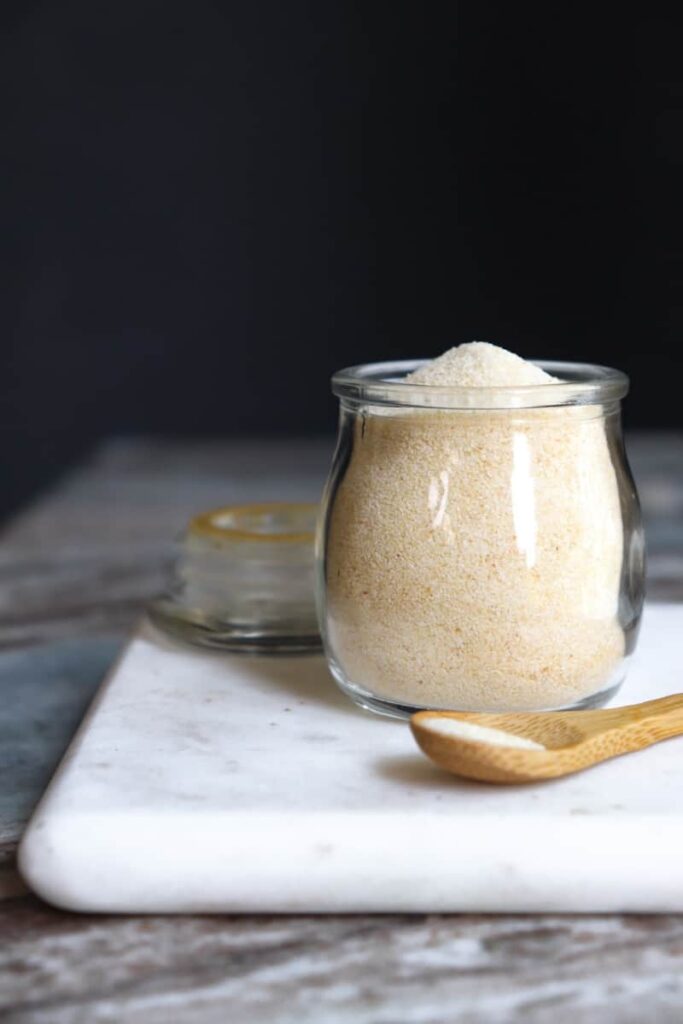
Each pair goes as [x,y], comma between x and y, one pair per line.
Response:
[571,740]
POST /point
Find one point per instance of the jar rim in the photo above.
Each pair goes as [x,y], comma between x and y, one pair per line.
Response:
[381,384]
[276,522]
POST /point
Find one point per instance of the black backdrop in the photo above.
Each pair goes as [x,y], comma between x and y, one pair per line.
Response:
[211,206]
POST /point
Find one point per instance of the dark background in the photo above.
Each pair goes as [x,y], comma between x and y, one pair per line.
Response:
[209,207]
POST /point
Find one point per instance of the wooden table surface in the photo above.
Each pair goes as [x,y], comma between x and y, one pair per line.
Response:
[76,568]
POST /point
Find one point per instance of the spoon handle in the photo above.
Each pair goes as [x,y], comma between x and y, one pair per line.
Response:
[662,718]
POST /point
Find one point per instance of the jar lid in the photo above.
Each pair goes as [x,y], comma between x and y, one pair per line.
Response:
[269,523]
[244,580]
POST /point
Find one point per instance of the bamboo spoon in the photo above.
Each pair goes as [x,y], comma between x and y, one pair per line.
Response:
[569,740]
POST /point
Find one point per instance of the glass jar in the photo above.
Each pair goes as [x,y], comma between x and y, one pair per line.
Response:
[479,549]
[243,580]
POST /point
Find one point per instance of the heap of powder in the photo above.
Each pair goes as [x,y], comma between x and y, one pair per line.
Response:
[462,730]
[479,364]
[474,558]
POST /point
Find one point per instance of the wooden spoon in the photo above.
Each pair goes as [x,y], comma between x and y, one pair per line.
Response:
[573,739]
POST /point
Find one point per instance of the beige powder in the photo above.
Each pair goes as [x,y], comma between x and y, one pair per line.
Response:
[455,728]
[474,557]
[479,365]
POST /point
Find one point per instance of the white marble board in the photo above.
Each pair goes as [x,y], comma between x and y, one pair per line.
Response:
[209,782]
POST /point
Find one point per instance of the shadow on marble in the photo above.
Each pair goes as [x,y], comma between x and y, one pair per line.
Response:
[416,771]
[303,677]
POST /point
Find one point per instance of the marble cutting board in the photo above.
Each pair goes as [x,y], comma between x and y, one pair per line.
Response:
[208,782]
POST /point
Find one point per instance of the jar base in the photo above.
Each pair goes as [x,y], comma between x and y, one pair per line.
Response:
[204,631]
[393,709]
